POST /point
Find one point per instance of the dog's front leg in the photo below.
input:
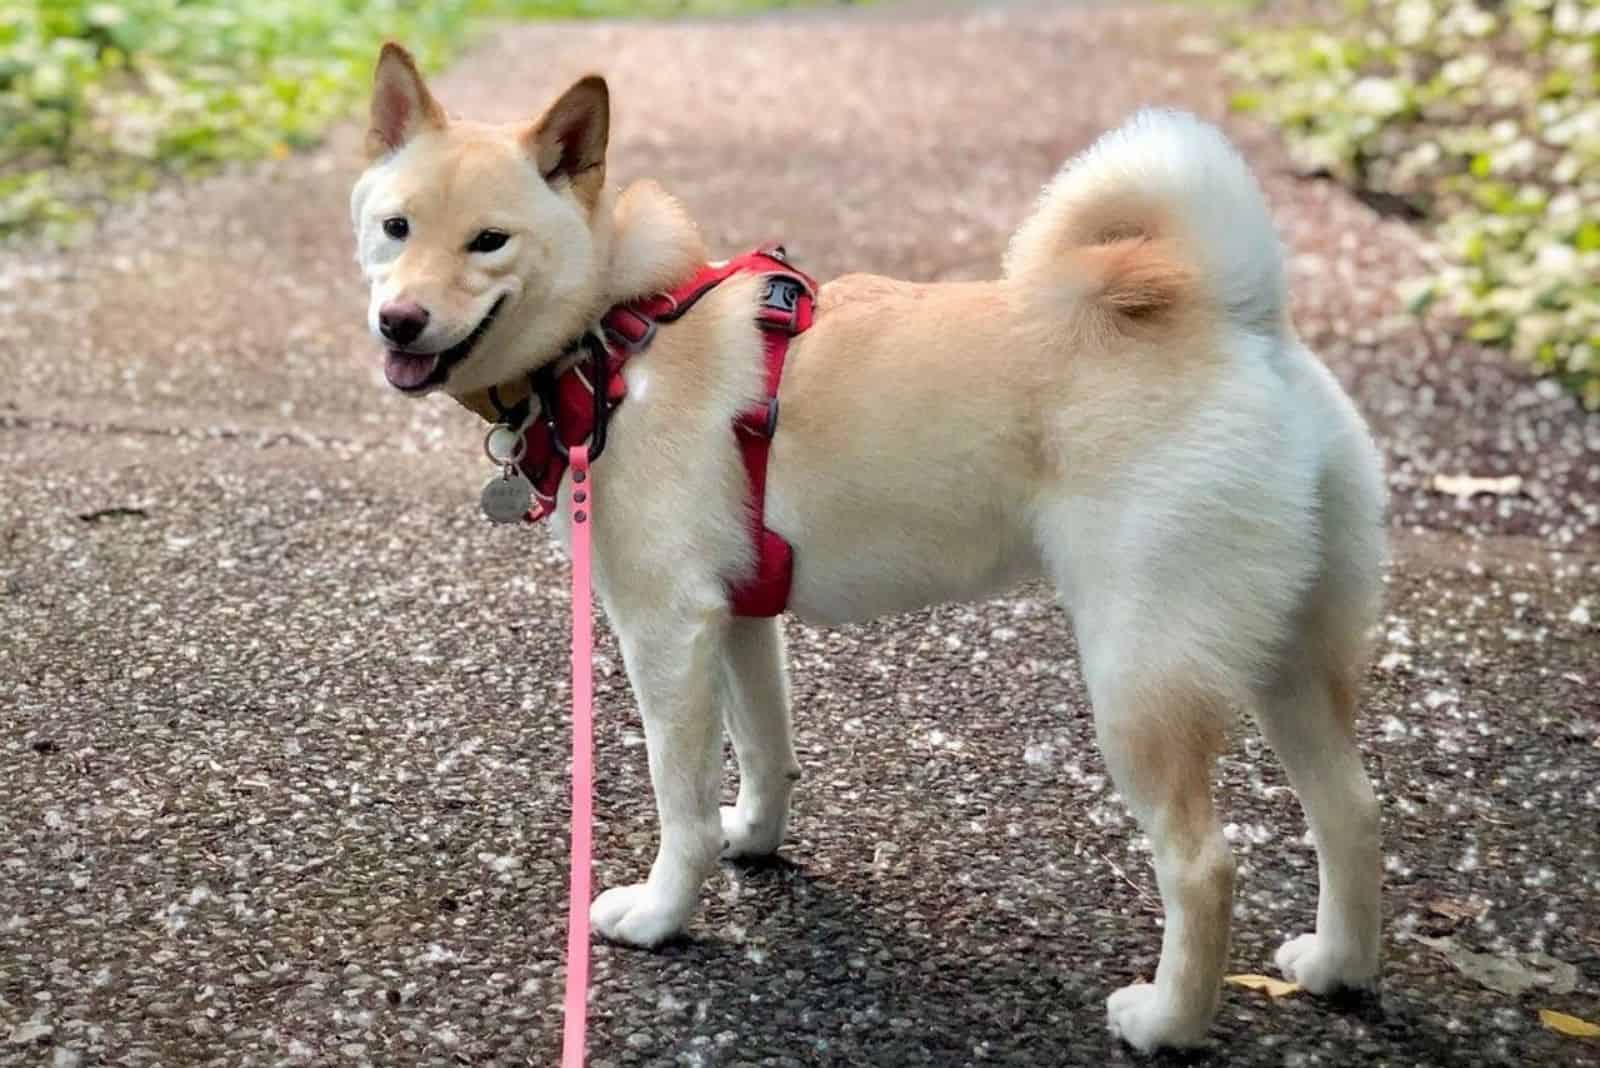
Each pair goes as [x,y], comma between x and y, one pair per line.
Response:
[755,709]
[670,664]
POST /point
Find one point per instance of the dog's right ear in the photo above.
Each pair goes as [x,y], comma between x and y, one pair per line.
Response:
[402,107]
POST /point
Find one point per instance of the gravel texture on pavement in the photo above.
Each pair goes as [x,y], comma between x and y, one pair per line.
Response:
[283,748]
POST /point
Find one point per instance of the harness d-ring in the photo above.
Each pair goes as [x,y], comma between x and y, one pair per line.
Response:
[600,386]
[548,407]
[600,356]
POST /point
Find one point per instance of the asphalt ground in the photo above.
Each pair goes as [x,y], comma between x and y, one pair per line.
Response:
[283,748]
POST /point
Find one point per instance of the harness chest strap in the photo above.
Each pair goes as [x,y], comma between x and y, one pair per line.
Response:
[568,416]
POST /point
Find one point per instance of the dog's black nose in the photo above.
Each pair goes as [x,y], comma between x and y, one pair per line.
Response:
[402,322]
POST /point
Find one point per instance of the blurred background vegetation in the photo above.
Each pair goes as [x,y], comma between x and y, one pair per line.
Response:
[1477,119]
[100,99]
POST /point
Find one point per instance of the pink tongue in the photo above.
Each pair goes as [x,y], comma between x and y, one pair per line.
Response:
[405,370]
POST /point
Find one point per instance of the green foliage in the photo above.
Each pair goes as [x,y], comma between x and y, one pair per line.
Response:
[1484,118]
[100,99]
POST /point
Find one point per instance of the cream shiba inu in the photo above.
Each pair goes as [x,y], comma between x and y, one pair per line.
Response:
[1126,412]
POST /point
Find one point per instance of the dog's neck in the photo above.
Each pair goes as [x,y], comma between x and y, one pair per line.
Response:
[653,245]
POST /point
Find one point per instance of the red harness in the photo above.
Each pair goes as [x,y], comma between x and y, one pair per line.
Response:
[570,411]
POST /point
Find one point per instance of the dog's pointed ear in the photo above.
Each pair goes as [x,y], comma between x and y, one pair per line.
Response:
[402,107]
[569,143]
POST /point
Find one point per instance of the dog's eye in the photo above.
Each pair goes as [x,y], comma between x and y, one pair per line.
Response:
[489,241]
[397,227]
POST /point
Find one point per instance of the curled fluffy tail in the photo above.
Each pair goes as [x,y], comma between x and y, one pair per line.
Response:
[1155,213]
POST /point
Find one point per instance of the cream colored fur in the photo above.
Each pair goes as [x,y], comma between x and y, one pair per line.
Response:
[1126,413]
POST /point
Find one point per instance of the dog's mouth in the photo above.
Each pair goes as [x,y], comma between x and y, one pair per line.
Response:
[413,372]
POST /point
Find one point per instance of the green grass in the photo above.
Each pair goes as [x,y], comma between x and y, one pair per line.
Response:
[1483,120]
[99,100]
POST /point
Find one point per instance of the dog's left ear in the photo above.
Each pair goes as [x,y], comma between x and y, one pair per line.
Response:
[402,107]
[569,143]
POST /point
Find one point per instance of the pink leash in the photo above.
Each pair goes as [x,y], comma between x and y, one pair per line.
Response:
[582,763]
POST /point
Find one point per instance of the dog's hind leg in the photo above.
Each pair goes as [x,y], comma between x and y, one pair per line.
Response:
[1160,743]
[754,695]
[1308,720]
[1307,710]
[671,665]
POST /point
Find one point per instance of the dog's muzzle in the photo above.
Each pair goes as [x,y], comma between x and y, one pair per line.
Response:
[413,372]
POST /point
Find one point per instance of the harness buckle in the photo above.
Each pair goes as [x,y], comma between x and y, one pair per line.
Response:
[780,303]
[633,345]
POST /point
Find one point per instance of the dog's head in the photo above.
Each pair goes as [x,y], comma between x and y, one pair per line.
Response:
[481,243]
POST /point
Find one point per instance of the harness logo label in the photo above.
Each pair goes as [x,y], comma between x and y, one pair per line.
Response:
[782,294]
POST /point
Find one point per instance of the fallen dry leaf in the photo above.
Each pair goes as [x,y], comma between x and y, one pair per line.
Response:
[1454,909]
[1469,485]
[1275,988]
[1446,914]
[1568,1025]
[1508,975]
[32,1031]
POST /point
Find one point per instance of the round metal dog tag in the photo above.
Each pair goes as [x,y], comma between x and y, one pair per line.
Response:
[506,498]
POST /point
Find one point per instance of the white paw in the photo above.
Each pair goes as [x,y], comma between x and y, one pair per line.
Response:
[636,916]
[743,836]
[1147,1021]
[1323,968]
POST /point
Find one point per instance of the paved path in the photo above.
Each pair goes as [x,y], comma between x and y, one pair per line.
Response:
[282,755]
